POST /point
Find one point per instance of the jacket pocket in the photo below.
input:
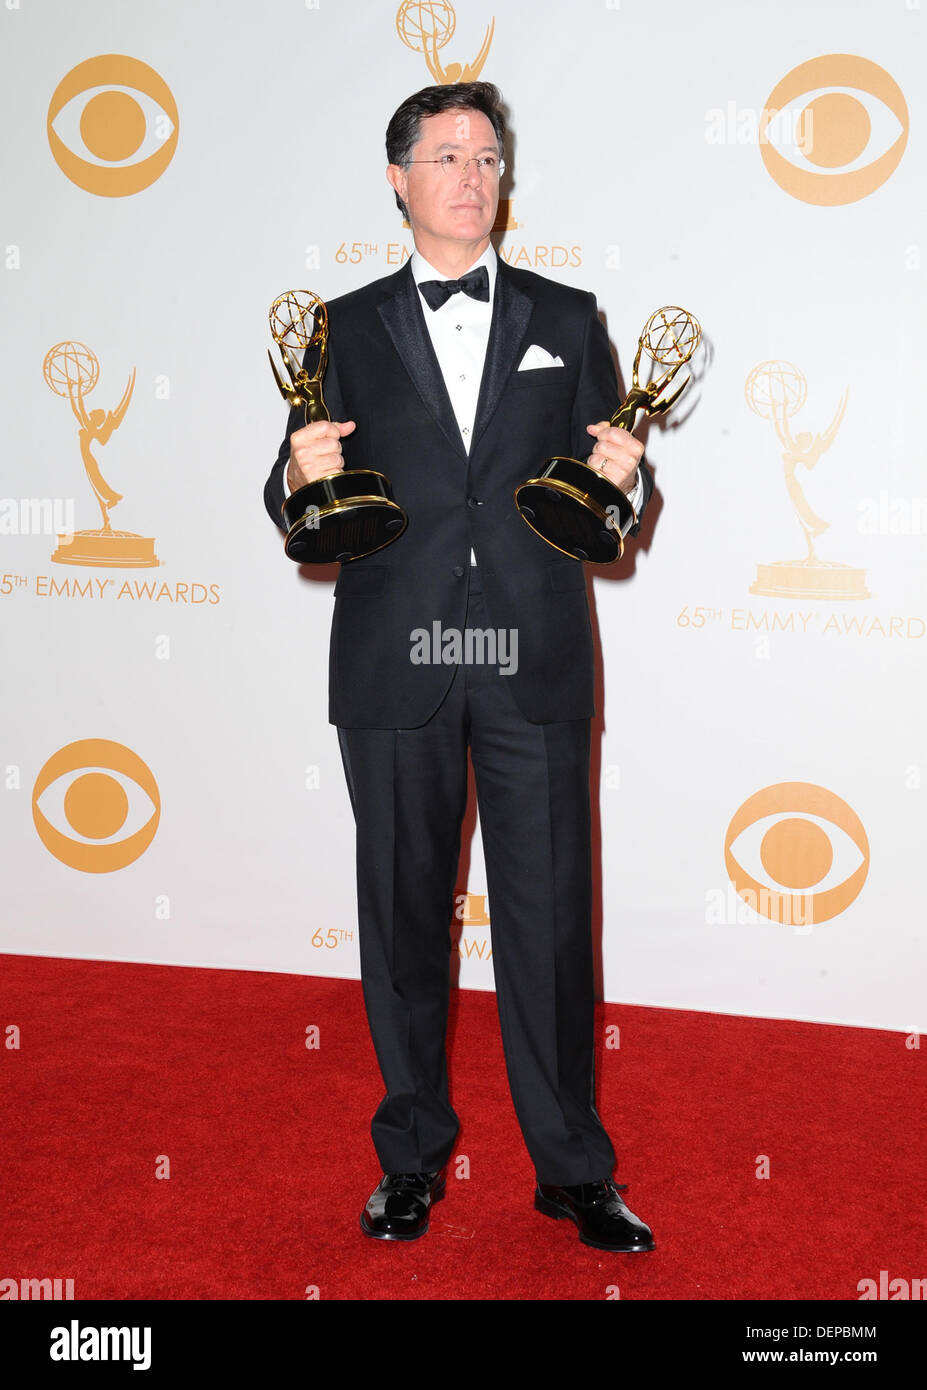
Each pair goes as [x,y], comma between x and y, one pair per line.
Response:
[544,376]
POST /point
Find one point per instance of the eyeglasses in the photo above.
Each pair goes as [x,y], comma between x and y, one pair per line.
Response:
[452,165]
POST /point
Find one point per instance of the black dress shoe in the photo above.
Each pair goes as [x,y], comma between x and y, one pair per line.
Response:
[602,1217]
[398,1209]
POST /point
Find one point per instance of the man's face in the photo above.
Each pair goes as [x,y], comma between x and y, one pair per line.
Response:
[449,208]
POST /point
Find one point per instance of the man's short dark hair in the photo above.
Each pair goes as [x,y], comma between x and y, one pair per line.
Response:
[404,130]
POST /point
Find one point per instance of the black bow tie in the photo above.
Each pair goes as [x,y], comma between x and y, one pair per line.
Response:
[475,283]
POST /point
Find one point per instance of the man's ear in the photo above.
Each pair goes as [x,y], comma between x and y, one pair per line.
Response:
[398,179]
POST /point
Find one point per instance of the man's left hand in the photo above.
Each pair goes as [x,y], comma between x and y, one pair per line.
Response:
[616,454]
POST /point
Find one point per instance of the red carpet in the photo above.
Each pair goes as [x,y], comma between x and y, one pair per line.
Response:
[271,1160]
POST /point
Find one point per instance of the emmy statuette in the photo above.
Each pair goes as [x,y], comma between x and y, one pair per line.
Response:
[777,391]
[347,513]
[72,370]
[574,507]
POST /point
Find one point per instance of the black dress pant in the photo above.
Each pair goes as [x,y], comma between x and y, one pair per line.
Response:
[408,789]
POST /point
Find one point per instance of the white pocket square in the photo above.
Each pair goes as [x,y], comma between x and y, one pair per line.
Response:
[538,357]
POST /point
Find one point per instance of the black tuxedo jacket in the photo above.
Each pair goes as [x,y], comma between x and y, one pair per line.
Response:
[383,373]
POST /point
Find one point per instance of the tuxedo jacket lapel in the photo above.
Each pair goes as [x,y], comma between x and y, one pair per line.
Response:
[511,310]
[404,321]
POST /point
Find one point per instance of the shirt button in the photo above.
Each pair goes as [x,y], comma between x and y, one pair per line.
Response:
[458,571]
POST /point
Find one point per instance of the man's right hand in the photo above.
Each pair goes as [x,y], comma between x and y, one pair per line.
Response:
[316,450]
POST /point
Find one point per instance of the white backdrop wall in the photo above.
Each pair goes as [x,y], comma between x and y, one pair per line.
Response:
[639,168]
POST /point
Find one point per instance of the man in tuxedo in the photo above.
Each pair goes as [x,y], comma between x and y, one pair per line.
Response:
[456,377]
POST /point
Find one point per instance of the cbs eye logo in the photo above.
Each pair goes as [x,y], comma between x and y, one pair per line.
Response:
[112,125]
[850,124]
[805,839]
[105,817]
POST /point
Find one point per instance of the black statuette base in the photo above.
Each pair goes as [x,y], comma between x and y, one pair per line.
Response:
[341,516]
[577,510]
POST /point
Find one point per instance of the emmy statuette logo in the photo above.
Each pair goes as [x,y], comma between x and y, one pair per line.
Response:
[471,910]
[426,26]
[72,371]
[777,391]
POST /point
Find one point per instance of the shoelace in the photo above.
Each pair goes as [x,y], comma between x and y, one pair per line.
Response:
[604,1189]
[400,1180]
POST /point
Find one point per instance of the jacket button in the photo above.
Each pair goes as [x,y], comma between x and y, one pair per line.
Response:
[458,571]
[473,502]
